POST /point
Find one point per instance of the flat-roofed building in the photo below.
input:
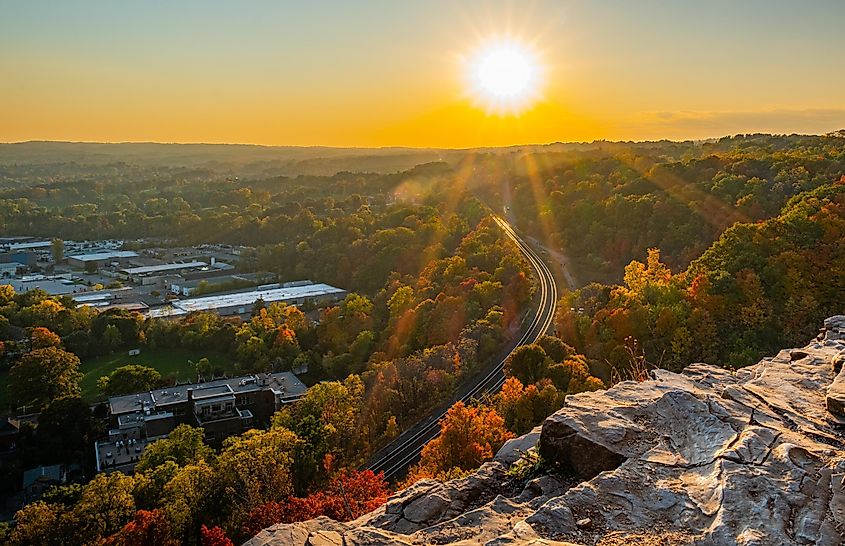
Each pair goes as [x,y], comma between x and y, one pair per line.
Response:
[223,407]
[19,257]
[100,258]
[29,245]
[138,274]
[242,303]
[9,269]
[54,285]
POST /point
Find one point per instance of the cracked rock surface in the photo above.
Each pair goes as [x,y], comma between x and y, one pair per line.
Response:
[707,456]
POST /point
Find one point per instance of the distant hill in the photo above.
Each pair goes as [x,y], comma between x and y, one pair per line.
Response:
[257,160]
[244,158]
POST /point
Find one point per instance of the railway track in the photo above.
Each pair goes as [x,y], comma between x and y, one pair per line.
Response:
[395,458]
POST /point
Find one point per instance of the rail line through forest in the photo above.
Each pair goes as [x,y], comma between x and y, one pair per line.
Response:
[397,456]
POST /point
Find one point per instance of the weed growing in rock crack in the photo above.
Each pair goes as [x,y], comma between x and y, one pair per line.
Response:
[529,465]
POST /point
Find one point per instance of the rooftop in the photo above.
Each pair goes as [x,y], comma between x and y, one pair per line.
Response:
[163,267]
[53,286]
[211,281]
[97,256]
[93,296]
[51,473]
[243,299]
[282,383]
[29,245]
[113,456]
[211,392]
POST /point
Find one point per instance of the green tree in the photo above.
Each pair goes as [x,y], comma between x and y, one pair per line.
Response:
[335,406]
[42,375]
[57,249]
[129,379]
[66,429]
[184,445]
[203,368]
[111,338]
[555,348]
[185,498]
[528,363]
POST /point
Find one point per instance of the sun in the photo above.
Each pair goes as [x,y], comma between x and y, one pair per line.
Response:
[504,77]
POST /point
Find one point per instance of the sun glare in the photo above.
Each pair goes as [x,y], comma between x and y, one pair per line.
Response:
[504,77]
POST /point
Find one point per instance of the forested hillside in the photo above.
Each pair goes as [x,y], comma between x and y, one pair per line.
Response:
[759,287]
[607,206]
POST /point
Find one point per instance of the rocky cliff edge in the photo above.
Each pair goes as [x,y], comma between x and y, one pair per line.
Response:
[707,456]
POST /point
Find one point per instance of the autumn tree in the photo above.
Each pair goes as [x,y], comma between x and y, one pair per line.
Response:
[106,505]
[522,408]
[469,435]
[214,536]
[41,338]
[147,527]
[37,523]
[184,445]
[349,495]
[42,375]
[255,468]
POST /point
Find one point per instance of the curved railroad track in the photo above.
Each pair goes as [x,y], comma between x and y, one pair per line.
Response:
[395,458]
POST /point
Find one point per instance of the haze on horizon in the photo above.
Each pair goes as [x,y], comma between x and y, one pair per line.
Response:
[386,73]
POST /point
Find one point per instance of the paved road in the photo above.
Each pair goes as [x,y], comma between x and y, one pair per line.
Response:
[396,457]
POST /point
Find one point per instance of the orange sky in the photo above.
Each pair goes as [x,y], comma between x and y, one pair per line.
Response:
[393,73]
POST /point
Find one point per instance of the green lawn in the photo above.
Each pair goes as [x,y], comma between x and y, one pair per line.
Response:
[171,363]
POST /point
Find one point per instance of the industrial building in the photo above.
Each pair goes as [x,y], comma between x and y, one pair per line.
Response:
[31,245]
[116,298]
[19,257]
[151,274]
[9,269]
[223,407]
[100,258]
[217,283]
[242,303]
[55,285]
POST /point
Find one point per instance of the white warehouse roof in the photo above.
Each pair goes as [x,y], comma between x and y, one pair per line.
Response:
[163,267]
[97,256]
[27,246]
[244,299]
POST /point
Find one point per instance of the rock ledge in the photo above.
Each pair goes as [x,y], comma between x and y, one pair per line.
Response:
[707,456]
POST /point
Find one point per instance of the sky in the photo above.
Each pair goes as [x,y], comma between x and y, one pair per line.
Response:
[395,73]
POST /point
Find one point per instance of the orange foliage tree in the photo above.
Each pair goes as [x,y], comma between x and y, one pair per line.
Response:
[41,338]
[147,527]
[469,435]
[350,494]
[214,536]
[524,407]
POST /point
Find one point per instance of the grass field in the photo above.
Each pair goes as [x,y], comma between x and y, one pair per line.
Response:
[171,363]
